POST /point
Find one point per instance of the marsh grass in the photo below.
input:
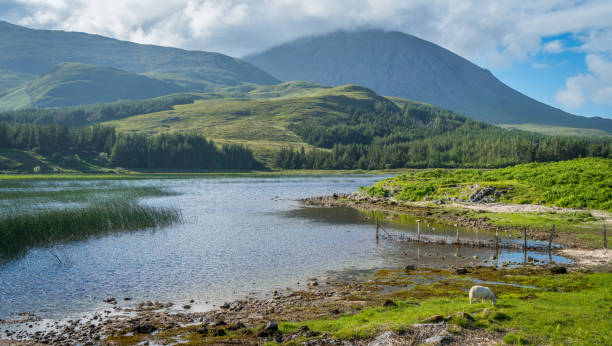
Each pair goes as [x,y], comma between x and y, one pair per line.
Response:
[20,232]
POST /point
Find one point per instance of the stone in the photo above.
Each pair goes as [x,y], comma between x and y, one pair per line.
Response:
[218,332]
[434,319]
[225,306]
[389,303]
[410,267]
[479,195]
[110,300]
[461,271]
[385,339]
[144,328]
[186,306]
[558,270]
[203,331]
[441,339]
[271,326]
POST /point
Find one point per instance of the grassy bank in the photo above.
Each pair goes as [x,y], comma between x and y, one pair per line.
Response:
[20,232]
[580,183]
[563,309]
[534,306]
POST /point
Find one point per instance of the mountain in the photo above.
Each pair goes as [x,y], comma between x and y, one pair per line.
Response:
[28,53]
[70,84]
[401,65]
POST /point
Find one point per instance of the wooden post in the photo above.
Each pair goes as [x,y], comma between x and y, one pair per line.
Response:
[419,231]
[552,234]
[457,233]
[605,237]
[525,245]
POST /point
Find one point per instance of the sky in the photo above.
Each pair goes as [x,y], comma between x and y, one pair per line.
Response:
[555,51]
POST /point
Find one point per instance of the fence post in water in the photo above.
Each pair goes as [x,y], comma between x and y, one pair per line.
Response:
[377,227]
[419,230]
[552,234]
[457,227]
[525,244]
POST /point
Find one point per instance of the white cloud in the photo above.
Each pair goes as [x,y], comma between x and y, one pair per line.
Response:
[553,47]
[594,86]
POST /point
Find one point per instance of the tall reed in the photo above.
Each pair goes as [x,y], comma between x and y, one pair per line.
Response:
[20,232]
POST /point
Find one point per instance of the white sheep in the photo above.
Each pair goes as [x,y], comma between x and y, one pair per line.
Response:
[482,293]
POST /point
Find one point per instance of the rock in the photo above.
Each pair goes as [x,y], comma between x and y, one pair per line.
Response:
[558,270]
[385,339]
[475,257]
[482,193]
[218,332]
[389,303]
[217,323]
[236,326]
[461,271]
[127,299]
[110,300]
[441,339]
[203,331]
[271,326]
[410,267]
[144,328]
[434,319]
[186,306]
[225,306]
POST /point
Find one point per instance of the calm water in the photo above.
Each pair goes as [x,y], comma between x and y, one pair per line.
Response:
[240,235]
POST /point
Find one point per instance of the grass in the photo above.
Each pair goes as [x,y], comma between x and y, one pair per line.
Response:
[551,130]
[20,232]
[261,124]
[569,309]
[580,183]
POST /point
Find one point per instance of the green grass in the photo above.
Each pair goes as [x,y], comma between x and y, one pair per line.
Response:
[261,124]
[20,232]
[551,130]
[570,309]
[580,183]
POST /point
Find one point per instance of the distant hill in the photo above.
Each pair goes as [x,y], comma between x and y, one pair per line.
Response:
[401,65]
[28,53]
[70,84]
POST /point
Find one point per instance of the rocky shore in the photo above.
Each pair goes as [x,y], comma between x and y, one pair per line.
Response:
[249,322]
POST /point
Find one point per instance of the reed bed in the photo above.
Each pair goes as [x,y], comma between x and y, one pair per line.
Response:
[20,232]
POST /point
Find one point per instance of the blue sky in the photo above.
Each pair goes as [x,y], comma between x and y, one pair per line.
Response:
[556,51]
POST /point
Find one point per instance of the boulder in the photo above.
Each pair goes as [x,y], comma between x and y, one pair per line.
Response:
[558,270]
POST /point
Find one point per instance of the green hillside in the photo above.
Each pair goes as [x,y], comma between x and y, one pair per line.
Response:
[28,53]
[580,183]
[253,119]
[352,127]
[71,84]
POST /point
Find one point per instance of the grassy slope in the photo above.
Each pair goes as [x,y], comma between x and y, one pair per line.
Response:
[258,123]
[71,84]
[550,130]
[580,183]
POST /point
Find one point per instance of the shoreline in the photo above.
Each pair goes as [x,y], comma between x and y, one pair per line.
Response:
[455,214]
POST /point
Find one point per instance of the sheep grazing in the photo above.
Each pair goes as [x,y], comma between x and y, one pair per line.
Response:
[482,293]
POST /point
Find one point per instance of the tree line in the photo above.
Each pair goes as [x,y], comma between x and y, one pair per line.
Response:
[421,136]
[169,151]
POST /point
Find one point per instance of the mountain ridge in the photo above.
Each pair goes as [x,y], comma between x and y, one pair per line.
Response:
[33,52]
[401,65]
